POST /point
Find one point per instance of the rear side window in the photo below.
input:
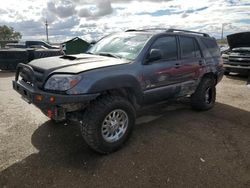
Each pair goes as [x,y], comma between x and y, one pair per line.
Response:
[212,47]
[189,48]
[168,47]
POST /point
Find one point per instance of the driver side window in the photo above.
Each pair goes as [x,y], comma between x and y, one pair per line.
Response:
[167,46]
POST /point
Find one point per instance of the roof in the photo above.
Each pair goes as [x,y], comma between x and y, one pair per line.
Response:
[74,39]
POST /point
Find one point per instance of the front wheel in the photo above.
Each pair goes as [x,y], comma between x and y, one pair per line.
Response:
[107,123]
[205,95]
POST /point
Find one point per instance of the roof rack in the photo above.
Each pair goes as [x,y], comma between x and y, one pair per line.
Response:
[154,29]
[169,30]
[148,29]
[131,30]
[186,31]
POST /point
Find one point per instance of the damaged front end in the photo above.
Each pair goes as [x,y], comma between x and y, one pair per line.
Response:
[57,106]
[237,57]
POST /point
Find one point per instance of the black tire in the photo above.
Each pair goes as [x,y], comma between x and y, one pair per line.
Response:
[226,72]
[57,123]
[94,116]
[205,95]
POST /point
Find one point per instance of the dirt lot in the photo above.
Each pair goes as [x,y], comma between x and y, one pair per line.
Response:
[172,146]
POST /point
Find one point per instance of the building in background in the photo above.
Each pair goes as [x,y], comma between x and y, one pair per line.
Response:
[75,46]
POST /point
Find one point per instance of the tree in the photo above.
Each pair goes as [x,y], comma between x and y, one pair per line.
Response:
[8,33]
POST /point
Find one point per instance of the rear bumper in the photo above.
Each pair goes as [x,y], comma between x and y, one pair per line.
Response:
[220,75]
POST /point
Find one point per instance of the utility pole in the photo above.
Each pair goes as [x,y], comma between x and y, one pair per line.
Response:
[46,27]
[222,29]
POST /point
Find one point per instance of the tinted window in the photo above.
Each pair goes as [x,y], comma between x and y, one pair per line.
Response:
[167,46]
[212,47]
[189,48]
[197,51]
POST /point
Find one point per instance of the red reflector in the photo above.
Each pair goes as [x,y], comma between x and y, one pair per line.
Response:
[49,113]
[52,99]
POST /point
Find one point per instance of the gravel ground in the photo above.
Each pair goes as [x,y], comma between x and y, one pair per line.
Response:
[172,146]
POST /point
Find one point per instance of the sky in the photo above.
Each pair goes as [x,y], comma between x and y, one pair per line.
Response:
[92,19]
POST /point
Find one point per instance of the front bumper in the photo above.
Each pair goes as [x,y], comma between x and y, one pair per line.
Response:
[56,106]
[29,95]
[237,68]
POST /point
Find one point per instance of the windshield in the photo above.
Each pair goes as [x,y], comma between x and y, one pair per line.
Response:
[123,45]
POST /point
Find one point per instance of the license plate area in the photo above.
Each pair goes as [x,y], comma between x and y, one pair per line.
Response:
[26,96]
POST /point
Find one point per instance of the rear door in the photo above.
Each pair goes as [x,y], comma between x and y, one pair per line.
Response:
[191,59]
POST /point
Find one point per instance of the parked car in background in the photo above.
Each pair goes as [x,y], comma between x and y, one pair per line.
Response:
[32,44]
[237,57]
[223,48]
[24,52]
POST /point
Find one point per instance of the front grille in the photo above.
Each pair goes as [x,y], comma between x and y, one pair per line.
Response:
[39,77]
[35,78]
[239,60]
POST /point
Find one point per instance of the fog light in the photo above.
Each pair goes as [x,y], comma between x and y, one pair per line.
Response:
[39,97]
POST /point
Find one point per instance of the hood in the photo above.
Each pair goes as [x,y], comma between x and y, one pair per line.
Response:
[75,63]
[238,40]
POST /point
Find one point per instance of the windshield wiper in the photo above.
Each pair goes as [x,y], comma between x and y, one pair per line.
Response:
[108,55]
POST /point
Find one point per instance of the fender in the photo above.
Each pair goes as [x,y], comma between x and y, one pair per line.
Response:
[118,82]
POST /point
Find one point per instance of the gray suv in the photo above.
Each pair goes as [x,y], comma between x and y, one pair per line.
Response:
[122,72]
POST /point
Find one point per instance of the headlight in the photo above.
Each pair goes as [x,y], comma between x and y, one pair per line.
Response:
[62,82]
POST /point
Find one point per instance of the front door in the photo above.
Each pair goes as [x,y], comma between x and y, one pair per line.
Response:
[161,75]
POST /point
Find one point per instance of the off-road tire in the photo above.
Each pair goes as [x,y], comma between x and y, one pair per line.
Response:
[226,72]
[94,116]
[198,99]
[56,123]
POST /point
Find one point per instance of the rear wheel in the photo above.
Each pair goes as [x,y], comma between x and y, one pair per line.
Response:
[205,95]
[226,72]
[107,123]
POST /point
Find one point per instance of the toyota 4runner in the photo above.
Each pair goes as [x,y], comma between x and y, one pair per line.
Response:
[122,72]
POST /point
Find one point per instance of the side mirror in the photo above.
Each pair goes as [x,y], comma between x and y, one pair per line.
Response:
[154,55]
